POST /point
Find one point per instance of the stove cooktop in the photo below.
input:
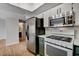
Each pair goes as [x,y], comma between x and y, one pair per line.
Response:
[60,38]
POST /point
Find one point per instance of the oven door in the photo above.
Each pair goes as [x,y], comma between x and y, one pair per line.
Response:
[55,50]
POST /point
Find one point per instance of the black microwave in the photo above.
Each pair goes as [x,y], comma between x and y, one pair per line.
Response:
[57,21]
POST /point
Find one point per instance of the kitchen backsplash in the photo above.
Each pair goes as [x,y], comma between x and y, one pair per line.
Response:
[62,30]
[77,32]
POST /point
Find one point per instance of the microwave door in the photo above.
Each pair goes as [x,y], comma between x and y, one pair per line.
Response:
[58,21]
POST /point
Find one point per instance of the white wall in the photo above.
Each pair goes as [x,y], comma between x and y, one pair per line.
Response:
[9,30]
[2,29]
[9,23]
[12,29]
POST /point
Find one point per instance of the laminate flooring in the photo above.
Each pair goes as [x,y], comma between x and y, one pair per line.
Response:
[15,50]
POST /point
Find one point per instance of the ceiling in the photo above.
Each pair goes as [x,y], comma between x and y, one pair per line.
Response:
[32,9]
[28,6]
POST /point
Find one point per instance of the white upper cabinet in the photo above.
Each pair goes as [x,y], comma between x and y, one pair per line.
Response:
[46,21]
[40,15]
[76,10]
[53,11]
[66,7]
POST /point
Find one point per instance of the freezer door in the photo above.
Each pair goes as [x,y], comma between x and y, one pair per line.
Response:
[32,36]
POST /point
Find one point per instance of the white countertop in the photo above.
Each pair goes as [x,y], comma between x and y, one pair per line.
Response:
[45,35]
[42,36]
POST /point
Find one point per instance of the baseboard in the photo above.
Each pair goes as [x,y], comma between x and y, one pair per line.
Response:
[12,43]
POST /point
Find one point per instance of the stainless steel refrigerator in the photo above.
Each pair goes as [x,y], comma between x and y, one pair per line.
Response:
[34,28]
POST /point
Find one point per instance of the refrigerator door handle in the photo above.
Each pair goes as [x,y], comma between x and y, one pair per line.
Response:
[27,32]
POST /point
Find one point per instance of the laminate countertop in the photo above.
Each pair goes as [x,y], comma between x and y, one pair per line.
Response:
[42,36]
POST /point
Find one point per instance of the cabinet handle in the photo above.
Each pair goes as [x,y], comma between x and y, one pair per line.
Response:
[60,10]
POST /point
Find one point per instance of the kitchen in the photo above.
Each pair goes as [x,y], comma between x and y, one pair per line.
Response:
[61,34]
[50,29]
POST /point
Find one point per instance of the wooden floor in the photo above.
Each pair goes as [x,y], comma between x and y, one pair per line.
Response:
[15,50]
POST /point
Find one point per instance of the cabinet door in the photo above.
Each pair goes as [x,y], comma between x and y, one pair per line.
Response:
[66,7]
[76,50]
[41,46]
[40,15]
[53,11]
[46,21]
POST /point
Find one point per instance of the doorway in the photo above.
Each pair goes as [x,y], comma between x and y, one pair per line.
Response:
[22,31]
